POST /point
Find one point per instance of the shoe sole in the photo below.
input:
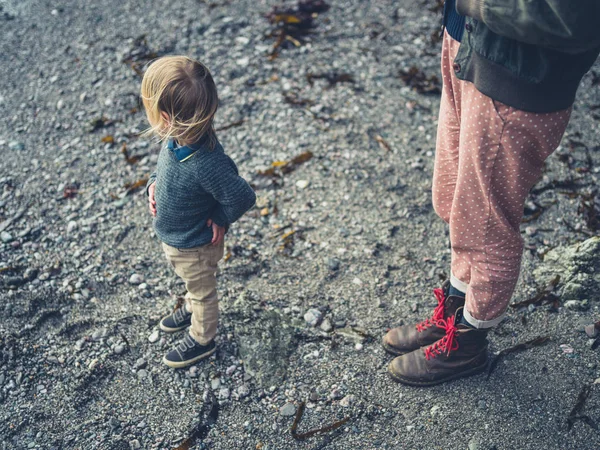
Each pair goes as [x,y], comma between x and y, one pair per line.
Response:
[189,362]
[391,350]
[409,382]
[172,330]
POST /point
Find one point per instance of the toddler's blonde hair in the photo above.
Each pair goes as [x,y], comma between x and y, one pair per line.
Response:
[183,89]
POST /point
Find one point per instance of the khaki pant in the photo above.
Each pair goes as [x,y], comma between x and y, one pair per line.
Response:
[197,267]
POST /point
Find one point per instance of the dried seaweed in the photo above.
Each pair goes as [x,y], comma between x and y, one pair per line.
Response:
[589,208]
[130,159]
[517,348]
[418,81]
[293,99]
[571,184]
[383,143]
[98,123]
[279,168]
[575,415]
[140,54]
[132,187]
[332,78]
[293,25]
[209,413]
[544,295]
[310,433]
[70,190]
[237,123]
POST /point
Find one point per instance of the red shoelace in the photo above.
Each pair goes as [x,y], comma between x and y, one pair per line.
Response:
[447,343]
[438,312]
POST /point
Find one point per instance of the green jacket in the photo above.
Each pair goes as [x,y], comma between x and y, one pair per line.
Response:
[529,54]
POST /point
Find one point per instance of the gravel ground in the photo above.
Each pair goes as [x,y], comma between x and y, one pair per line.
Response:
[83,281]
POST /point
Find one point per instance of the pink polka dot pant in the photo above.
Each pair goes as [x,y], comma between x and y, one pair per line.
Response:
[488,157]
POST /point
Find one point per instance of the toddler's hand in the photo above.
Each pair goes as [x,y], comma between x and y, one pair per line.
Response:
[218,232]
[151,201]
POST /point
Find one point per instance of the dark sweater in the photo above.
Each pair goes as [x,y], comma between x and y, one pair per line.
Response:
[194,184]
[455,23]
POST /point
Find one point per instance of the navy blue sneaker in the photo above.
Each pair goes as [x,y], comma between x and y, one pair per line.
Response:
[187,352]
[178,320]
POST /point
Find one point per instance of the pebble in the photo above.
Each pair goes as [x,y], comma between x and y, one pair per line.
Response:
[215,383]
[93,363]
[347,401]
[481,404]
[577,305]
[243,391]
[302,184]
[333,264]
[60,104]
[142,373]
[6,237]
[326,325]
[434,410]
[135,444]
[141,363]
[289,409]
[473,444]
[313,317]
[71,226]
[119,349]
[16,145]
[193,371]
[224,393]
[154,336]
[136,279]
[358,346]
[591,330]
[230,370]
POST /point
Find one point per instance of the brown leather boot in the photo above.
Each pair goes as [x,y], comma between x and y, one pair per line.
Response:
[460,353]
[408,338]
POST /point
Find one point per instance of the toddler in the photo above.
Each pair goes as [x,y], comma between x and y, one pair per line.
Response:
[195,194]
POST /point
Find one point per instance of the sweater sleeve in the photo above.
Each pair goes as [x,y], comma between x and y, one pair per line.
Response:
[233,194]
[556,24]
[151,180]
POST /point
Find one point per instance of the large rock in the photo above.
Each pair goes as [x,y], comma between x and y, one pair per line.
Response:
[578,267]
[266,338]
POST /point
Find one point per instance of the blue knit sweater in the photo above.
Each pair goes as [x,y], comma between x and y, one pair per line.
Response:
[194,184]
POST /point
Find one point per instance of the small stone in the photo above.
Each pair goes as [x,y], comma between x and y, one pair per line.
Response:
[142,373]
[434,410]
[313,317]
[6,237]
[473,444]
[531,308]
[143,286]
[93,363]
[243,62]
[230,370]
[326,325]
[154,336]
[289,409]
[577,305]
[136,279]
[223,393]
[243,391]
[333,264]
[135,444]
[215,383]
[591,330]
[141,363]
[60,104]
[193,371]
[302,184]
[71,226]
[16,145]
[313,397]
[119,349]
[347,401]
[358,346]
[597,381]
[530,231]
[481,404]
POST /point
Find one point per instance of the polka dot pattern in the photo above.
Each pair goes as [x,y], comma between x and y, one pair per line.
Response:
[488,157]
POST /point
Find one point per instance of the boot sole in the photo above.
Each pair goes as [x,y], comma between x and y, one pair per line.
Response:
[410,382]
[172,330]
[392,350]
[189,362]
